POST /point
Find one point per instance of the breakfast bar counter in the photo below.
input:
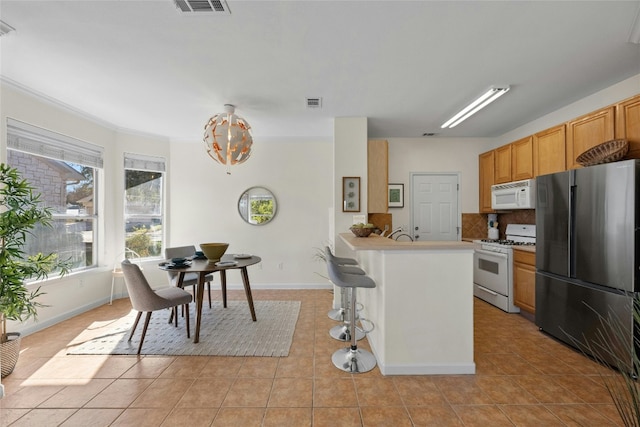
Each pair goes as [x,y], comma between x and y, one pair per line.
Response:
[422,305]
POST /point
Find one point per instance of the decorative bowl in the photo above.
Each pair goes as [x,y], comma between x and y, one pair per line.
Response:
[361,231]
[610,151]
[214,251]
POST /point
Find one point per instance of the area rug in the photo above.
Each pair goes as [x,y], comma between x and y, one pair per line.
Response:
[224,332]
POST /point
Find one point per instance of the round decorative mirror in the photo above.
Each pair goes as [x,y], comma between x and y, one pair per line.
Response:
[257,206]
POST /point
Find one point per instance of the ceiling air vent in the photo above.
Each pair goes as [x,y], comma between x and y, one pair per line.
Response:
[203,6]
[314,102]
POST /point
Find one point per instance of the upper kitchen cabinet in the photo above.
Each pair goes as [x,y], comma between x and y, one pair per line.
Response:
[588,131]
[549,151]
[522,159]
[377,175]
[628,125]
[486,166]
[502,171]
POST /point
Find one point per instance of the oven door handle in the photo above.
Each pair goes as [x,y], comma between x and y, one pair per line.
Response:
[482,288]
[491,253]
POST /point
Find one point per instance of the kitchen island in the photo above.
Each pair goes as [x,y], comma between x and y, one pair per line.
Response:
[422,306]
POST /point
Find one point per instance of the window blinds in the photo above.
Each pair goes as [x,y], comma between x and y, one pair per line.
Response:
[143,162]
[42,142]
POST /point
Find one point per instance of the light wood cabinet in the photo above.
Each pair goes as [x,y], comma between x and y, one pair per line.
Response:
[485,168]
[524,280]
[549,151]
[522,159]
[628,125]
[502,171]
[588,131]
[377,175]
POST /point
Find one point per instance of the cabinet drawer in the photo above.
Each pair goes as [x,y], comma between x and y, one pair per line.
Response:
[524,257]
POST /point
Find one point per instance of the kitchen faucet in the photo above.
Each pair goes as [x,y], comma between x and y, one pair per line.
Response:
[397,230]
[399,235]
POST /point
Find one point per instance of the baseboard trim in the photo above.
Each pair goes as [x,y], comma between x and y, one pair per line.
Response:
[43,324]
[429,369]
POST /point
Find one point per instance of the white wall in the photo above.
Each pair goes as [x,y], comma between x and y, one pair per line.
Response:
[456,155]
[202,206]
[349,160]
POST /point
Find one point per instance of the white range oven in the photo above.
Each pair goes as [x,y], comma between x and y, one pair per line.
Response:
[493,266]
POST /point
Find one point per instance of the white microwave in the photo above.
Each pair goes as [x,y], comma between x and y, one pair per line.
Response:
[514,195]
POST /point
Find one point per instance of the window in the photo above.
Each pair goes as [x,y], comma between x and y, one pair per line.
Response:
[143,205]
[64,171]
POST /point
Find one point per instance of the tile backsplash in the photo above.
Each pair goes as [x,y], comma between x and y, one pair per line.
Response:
[474,225]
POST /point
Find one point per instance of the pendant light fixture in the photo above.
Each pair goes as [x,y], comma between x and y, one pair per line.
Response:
[228,138]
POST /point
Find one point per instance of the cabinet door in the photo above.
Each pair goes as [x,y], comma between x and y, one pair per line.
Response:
[549,151]
[524,280]
[377,175]
[628,125]
[522,159]
[502,172]
[486,165]
[588,131]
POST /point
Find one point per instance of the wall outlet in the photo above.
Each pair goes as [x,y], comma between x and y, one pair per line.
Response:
[280,266]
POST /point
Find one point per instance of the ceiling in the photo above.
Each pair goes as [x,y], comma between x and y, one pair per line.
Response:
[406,65]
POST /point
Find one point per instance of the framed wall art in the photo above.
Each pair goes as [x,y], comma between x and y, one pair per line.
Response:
[396,195]
[351,194]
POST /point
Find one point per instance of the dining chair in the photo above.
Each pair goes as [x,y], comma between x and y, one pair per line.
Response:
[190,279]
[145,299]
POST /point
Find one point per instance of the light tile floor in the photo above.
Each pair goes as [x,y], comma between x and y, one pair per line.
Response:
[524,378]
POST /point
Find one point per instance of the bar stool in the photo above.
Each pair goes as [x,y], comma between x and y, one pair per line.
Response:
[338,314]
[343,332]
[352,359]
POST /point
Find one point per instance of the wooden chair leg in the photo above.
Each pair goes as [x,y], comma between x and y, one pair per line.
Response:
[209,290]
[223,287]
[173,313]
[144,331]
[175,310]
[186,307]
[135,325]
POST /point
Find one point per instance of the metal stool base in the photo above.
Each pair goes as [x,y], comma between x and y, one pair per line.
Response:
[353,361]
[342,333]
[337,314]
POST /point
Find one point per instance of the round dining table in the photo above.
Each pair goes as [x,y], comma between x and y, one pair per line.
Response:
[203,267]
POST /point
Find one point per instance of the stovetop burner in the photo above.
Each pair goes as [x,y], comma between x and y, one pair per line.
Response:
[507,242]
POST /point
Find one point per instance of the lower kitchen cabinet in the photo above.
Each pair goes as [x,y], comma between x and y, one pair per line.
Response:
[524,280]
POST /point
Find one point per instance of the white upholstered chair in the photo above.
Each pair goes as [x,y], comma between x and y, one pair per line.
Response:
[144,299]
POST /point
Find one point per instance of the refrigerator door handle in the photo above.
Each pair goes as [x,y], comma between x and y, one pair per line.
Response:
[571,229]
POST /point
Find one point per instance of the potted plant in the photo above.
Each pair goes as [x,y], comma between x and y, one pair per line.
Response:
[20,213]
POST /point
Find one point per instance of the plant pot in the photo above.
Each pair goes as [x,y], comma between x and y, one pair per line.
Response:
[9,352]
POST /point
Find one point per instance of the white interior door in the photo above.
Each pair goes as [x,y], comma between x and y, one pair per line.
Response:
[434,214]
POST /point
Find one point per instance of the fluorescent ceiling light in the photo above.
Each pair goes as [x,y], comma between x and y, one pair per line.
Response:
[487,98]
[634,34]
[5,28]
